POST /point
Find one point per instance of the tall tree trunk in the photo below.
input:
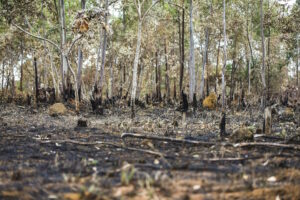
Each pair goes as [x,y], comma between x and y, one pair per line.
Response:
[268,67]
[263,78]
[233,69]
[157,78]
[167,80]
[135,66]
[12,80]
[103,56]
[36,81]
[2,80]
[140,79]
[225,56]
[251,58]
[207,50]
[182,51]
[55,84]
[79,69]
[98,58]
[192,56]
[80,60]
[297,63]
[204,63]
[111,80]
[217,66]
[21,67]
[121,80]
[63,40]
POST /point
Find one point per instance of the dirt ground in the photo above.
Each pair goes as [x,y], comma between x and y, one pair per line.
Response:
[44,157]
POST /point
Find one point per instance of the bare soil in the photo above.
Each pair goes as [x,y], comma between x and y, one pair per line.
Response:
[44,157]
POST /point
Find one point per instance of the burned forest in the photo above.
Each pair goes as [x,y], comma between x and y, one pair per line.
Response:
[149,99]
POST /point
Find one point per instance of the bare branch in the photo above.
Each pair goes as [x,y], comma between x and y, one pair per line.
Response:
[72,44]
[176,5]
[37,37]
[148,10]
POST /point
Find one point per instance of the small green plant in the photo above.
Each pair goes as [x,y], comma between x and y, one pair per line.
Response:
[127,174]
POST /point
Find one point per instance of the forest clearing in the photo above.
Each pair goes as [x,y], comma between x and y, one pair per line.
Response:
[149,99]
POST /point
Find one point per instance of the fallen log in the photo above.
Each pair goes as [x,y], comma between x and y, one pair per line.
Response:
[167,139]
[103,143]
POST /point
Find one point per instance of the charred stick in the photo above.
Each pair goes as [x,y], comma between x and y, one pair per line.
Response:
[168,139]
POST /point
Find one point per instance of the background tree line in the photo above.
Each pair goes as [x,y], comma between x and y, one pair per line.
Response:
[149,49]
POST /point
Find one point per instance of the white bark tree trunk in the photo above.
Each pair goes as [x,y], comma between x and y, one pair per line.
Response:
[64,62]
[103,56]
[135,66]
[192,56]
[204,64]
[225,56]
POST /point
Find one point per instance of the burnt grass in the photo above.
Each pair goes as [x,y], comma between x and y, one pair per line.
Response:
[44,157]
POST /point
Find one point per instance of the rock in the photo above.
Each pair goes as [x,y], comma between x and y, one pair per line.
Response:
[210,102]
[57,109]
[242,134]
[82,122]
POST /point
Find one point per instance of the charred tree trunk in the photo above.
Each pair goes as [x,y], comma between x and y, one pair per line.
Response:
[174,89]
[21,67]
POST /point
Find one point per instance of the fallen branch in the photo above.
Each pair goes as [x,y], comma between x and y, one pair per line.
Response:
[267,144]
[291,139]
[149,137]
[104,143]
[268,137]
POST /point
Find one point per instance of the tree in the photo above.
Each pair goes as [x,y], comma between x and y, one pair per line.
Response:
[263,54]
[225,56]
[141,17]
[192,56]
